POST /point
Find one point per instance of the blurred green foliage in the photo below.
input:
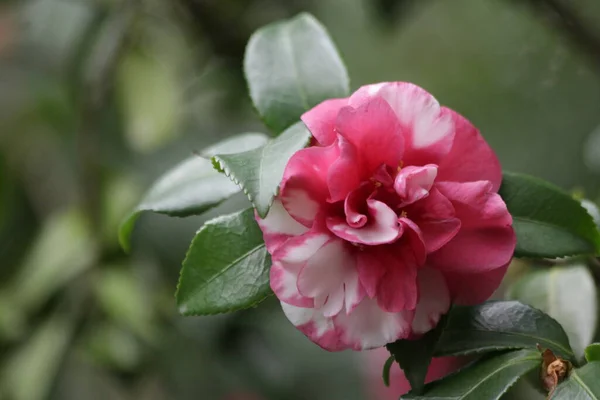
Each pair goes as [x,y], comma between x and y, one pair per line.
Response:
[100,97]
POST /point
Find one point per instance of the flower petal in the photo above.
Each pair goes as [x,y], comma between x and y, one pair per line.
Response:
[434,300]
[476,250]
[304,186]
[374,130]
[436,219]
[284,284]
[428,128]
[413,183]
[368,326]
[471,158]
[343,175]
[278,226]
[470,289]
[315,326]
[326,273]
[382,226]
[320,120]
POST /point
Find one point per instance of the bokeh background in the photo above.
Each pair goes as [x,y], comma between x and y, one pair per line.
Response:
[99,97]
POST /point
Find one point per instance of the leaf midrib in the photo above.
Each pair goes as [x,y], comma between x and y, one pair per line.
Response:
[547,224]
[559,346]
[228,267]
[502,367]
[585,387]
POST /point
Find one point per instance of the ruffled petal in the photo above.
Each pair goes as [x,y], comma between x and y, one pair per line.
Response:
[434,300]
[471,158]
[315,326]
[320,120]
[304,188]
[278,226]
[413,183]
[343,175]
[375,132]
[382,226]
[428,128]
[284,284]
[436,219]
[368,326]
[326,274]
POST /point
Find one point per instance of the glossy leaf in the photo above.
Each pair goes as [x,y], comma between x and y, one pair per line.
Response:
[582,384]
[226,267]
[592,352]
[488,378]
[192,187]
[567,294]
[501,325]
[258,172]
[547,221]
[414,356]
[291,66]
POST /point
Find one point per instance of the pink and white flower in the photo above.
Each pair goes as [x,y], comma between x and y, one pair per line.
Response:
[389,217]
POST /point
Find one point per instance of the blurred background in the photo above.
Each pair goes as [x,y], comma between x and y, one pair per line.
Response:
[99,97]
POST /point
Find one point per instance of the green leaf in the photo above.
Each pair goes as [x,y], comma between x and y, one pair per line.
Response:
[192,187]
[592,352]
[547,221]
[386,370]
[583,384]
[501,325]
[488,378]
[226,267]
[414,356]
[567,294]
[258,172]
[291,66]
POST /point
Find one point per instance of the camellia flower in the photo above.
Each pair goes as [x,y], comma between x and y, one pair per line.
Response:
[389,217]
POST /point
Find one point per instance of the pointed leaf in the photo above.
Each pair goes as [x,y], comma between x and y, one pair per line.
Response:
[258,172]
[192,187]
[501,325]
[414,356]
[226,267]
[583,384]
[567,294]
[592,352]
[488,378]
[547,221]
[291,66]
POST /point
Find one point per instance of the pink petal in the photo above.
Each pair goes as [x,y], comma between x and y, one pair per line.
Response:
[382,226]
[284,284]
[435,217]
[428,128]
[315,326]
[476,204]
[476,250]
[299,249]
[368,326]
[470,289]
[389,272]
[304,186]
[471,158]
[320,120]
[325,275]
[355,205]
[278,226]
[413,183]
[375,132]
[343,175]
[434,300]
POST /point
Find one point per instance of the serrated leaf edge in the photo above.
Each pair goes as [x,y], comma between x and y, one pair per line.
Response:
[187,254]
